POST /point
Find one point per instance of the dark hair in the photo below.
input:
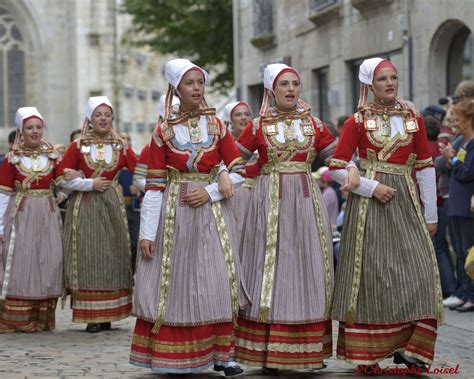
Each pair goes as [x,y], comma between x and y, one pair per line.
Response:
[72,137]
[433,127]
[332,128]
[341,120]
[11,137]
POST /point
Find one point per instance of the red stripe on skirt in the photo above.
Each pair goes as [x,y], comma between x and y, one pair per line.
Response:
[181,347]
[297,346]
[356,344]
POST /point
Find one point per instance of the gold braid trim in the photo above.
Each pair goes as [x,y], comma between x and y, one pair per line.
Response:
[337,163]
[229,258]
[424,163]
[361,219]
[11,247]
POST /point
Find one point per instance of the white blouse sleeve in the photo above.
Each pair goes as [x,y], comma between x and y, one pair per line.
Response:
[77,184]
[213,188]
[426,179]
[150,215]
[140,183]
[4,200]
[366,187]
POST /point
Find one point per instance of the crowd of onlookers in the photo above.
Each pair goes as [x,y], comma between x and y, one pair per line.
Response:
[455,233]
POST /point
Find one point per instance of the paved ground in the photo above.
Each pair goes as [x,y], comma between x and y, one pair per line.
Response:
[71,352]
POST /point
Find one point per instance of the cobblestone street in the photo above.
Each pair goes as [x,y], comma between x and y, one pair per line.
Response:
[71,352]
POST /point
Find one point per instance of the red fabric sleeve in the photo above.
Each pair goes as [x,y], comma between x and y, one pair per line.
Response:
[156,176]
[346,145]
[247,141]
[7,176]
[70,159]
[324,144]
[143,158]
[131,159]
[422,148]
[230,153]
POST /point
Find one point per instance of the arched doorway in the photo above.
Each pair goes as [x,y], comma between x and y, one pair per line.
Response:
[460,59]
[12,68]
[451,58]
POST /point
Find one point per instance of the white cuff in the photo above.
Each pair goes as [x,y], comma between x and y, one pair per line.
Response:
[150,215]
[77,184]
[140,183]
[213,188]
[366,187]
[426,179]
[4,200]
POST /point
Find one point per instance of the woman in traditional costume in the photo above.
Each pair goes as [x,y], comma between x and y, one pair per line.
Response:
[286,250]
[387,294]
[96,240]
[31,254]
[187,285]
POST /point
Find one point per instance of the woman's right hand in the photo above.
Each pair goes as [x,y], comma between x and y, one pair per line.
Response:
[147,248]
[100,184]
[384,193]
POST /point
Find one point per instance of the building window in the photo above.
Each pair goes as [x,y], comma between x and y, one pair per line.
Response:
[141,95]
[96,92]
[141,127]
[127,127]
[263,36]
[155,95]
[128,92]
[320,95]
[319,5]
[255,97]
[151,127]
[460,59]
[12,69]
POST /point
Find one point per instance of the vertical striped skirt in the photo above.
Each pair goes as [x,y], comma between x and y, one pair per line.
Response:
[19,315]
[387,293]
[97,267]
[283,346]
[182,349]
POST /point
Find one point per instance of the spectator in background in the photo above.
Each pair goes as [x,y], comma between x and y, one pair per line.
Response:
[340,122]
[461,189]
[11,140]
[330,198]
[74,135]
[443,256]
[131,200]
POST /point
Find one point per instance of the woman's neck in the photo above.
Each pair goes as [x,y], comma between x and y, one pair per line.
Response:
[286,110]
[385,103]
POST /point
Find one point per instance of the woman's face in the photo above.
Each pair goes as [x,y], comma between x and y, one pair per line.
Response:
[464,124]
[102,120]
[385,85]
[32,132]
[240,117]
[191,90]
[287,91]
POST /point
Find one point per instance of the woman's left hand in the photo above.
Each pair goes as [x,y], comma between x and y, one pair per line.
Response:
[225,185]
[432,228]
[352,179]
[60,197]
[197,197]
[69,174]
[472,203]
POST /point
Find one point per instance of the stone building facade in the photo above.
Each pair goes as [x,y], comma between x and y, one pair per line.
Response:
[429,40]
[54,54]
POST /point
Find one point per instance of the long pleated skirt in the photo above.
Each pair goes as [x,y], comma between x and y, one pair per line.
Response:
[396,305]
[196,331]
[97,257]
[34,280]
[297,333]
